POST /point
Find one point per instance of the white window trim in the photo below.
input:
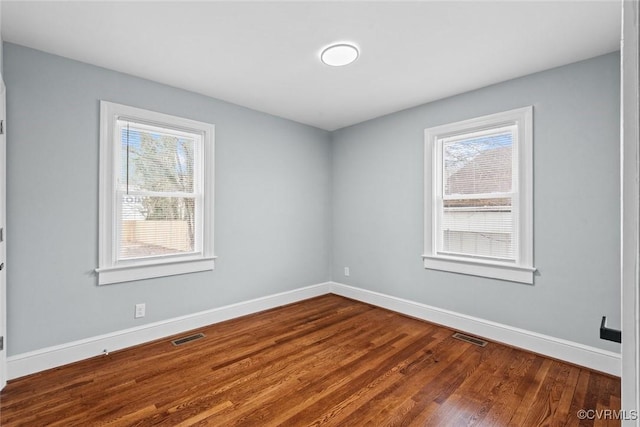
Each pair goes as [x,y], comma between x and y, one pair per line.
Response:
[522,270]
[109,271]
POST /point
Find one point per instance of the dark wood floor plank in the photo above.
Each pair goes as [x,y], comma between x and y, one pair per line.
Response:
[325,361]
[453,363]
[382,406]
[338,384]
[492,397]
[295,360]
[348,399]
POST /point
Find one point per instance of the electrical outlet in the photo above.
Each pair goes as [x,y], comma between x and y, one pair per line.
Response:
[140,310]
[346,271]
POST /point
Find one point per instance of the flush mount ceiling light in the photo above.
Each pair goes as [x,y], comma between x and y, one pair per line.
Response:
[339,54]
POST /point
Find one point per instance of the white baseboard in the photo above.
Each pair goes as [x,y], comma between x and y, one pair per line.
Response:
[579,354]
[39,360]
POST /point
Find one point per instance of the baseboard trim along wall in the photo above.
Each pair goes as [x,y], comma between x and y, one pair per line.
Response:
[557,348]
[39,360]
[50,357]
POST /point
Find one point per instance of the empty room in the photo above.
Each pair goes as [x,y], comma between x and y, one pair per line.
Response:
[319,213]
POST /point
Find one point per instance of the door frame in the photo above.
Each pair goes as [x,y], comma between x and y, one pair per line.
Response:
[630,211]
[3,216]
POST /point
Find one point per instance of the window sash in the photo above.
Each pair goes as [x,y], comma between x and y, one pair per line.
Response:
[478,196]
[118,229]
[440,231]
[196,194]
[440,195]
[121,123]
[141,125]
[493,129]
[150,126]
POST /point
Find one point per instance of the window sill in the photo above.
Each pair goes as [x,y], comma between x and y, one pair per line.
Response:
[512,273]
[130,273]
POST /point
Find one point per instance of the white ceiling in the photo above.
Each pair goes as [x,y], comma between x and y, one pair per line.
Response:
[264,55]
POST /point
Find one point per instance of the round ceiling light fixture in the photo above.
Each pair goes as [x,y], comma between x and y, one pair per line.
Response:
[339,54]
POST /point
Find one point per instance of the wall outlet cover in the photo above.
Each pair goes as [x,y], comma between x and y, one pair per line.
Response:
[140,310]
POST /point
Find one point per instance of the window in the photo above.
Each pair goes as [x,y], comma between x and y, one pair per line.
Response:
[156,194]
[478,196]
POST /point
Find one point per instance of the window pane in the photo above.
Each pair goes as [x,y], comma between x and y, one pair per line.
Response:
[478,165]
[154,226]
[153,160]
[478,227]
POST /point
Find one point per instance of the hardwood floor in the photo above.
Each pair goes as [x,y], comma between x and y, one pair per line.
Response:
[324,361]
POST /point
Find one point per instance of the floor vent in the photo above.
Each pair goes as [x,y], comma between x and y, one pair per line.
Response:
[470,339]
[185,340]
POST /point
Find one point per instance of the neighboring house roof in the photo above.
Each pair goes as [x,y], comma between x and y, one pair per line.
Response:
[488,172]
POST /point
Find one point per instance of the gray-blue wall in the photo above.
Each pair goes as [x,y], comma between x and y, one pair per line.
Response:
[378,204]
[272,212]
[295,204]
